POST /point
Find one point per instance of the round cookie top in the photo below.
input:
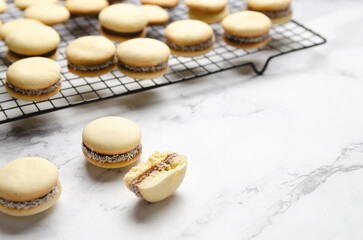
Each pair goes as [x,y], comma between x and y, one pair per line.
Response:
[26,179]
[143,52]
[123,17]
[155,14]
[90,50]
[86,7]
[33,73]
[111,135]
[268,5]
[16,24]
[246,24]
[22,4]
[161,3]
[33,40]
[188,32]
[206,5]
[47,13]
[2,6]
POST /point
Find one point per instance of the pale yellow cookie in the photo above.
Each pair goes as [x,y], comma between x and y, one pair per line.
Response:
[279,11]
[2,6]
[22,4]
[47,13]
[206,6]
[162,3]
[16,24]
[155,15]
[86,7]
[209,18]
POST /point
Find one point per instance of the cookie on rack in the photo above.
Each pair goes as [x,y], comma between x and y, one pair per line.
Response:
[31,41]
[189,38]
[209,11]
[85,7]
[159,177]
[122,21]
[22,4]
[279,11]
[162,3]
[33,79]
[143,58]
[246,29]
[3,6]
[155,15]
[16,24]
[47,13]
[28,186]
[112,142]
[91,56]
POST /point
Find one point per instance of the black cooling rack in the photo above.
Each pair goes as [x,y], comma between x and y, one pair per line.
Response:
[285,38]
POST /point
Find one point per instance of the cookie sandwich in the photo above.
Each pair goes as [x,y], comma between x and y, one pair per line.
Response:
[246,29]
[279,11]
[189,38]
[209,11]
[162,3]
[122,21]
[91,56]
[85,7]
[143,58]
[159,177]
[111,142]
[47,13]
[28,186]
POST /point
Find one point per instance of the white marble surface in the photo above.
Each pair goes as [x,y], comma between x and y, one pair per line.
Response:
[278,156]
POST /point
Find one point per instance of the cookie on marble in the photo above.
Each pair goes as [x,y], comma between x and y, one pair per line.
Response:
[16,24]
[112,142]
[189,38]
[209,11]
[33,79]
[158,178]
[155,15]
[47,13]
[122,21]
[28,186]
[162,3]
[246,29]
[31,41]
[279,11]
[2,6]
[22,4]
[85,7]
[91,56]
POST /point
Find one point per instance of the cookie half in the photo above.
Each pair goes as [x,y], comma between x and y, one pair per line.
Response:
[22,4]
[3,6]
[162,3]
[91,56]
[47,13]
[16,24]
[279,11]
[85,7]
[28,186]
[33,79]
[143,58]
[111,142]
[155,15]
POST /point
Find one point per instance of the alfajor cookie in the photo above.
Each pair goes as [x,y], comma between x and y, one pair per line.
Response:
[22,4]
[162,3]
[91,56]
[33,79]
[2,6]
[47,13]
[279,11]
[122,21]
[28,186]
[189,38]
[85,7]
[209,11]
[143,58]
[158,178]
[155,15]
[246,29]
[16,24]
[35,40]
[111,142]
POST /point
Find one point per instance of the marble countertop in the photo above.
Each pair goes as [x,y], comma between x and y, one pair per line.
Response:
[278,156]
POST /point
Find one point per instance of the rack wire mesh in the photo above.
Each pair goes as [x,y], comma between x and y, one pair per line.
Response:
[285,38]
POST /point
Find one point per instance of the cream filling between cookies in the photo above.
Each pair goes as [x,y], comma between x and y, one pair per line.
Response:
[91,68]
[121,34]
[143,69]
[34,92]
[163,165]
[245,40]
[47,54]
[30,204]
[103,158]
[190,48]
[274,14]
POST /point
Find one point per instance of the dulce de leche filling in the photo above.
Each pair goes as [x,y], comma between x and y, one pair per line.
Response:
[103,158]
[91,68]
[155,68]
[190,48]
[34,92]
[245,40]
[47,54]
[32,203]
[121,34]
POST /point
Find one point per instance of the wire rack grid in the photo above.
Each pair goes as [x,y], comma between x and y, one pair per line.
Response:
[285,38]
